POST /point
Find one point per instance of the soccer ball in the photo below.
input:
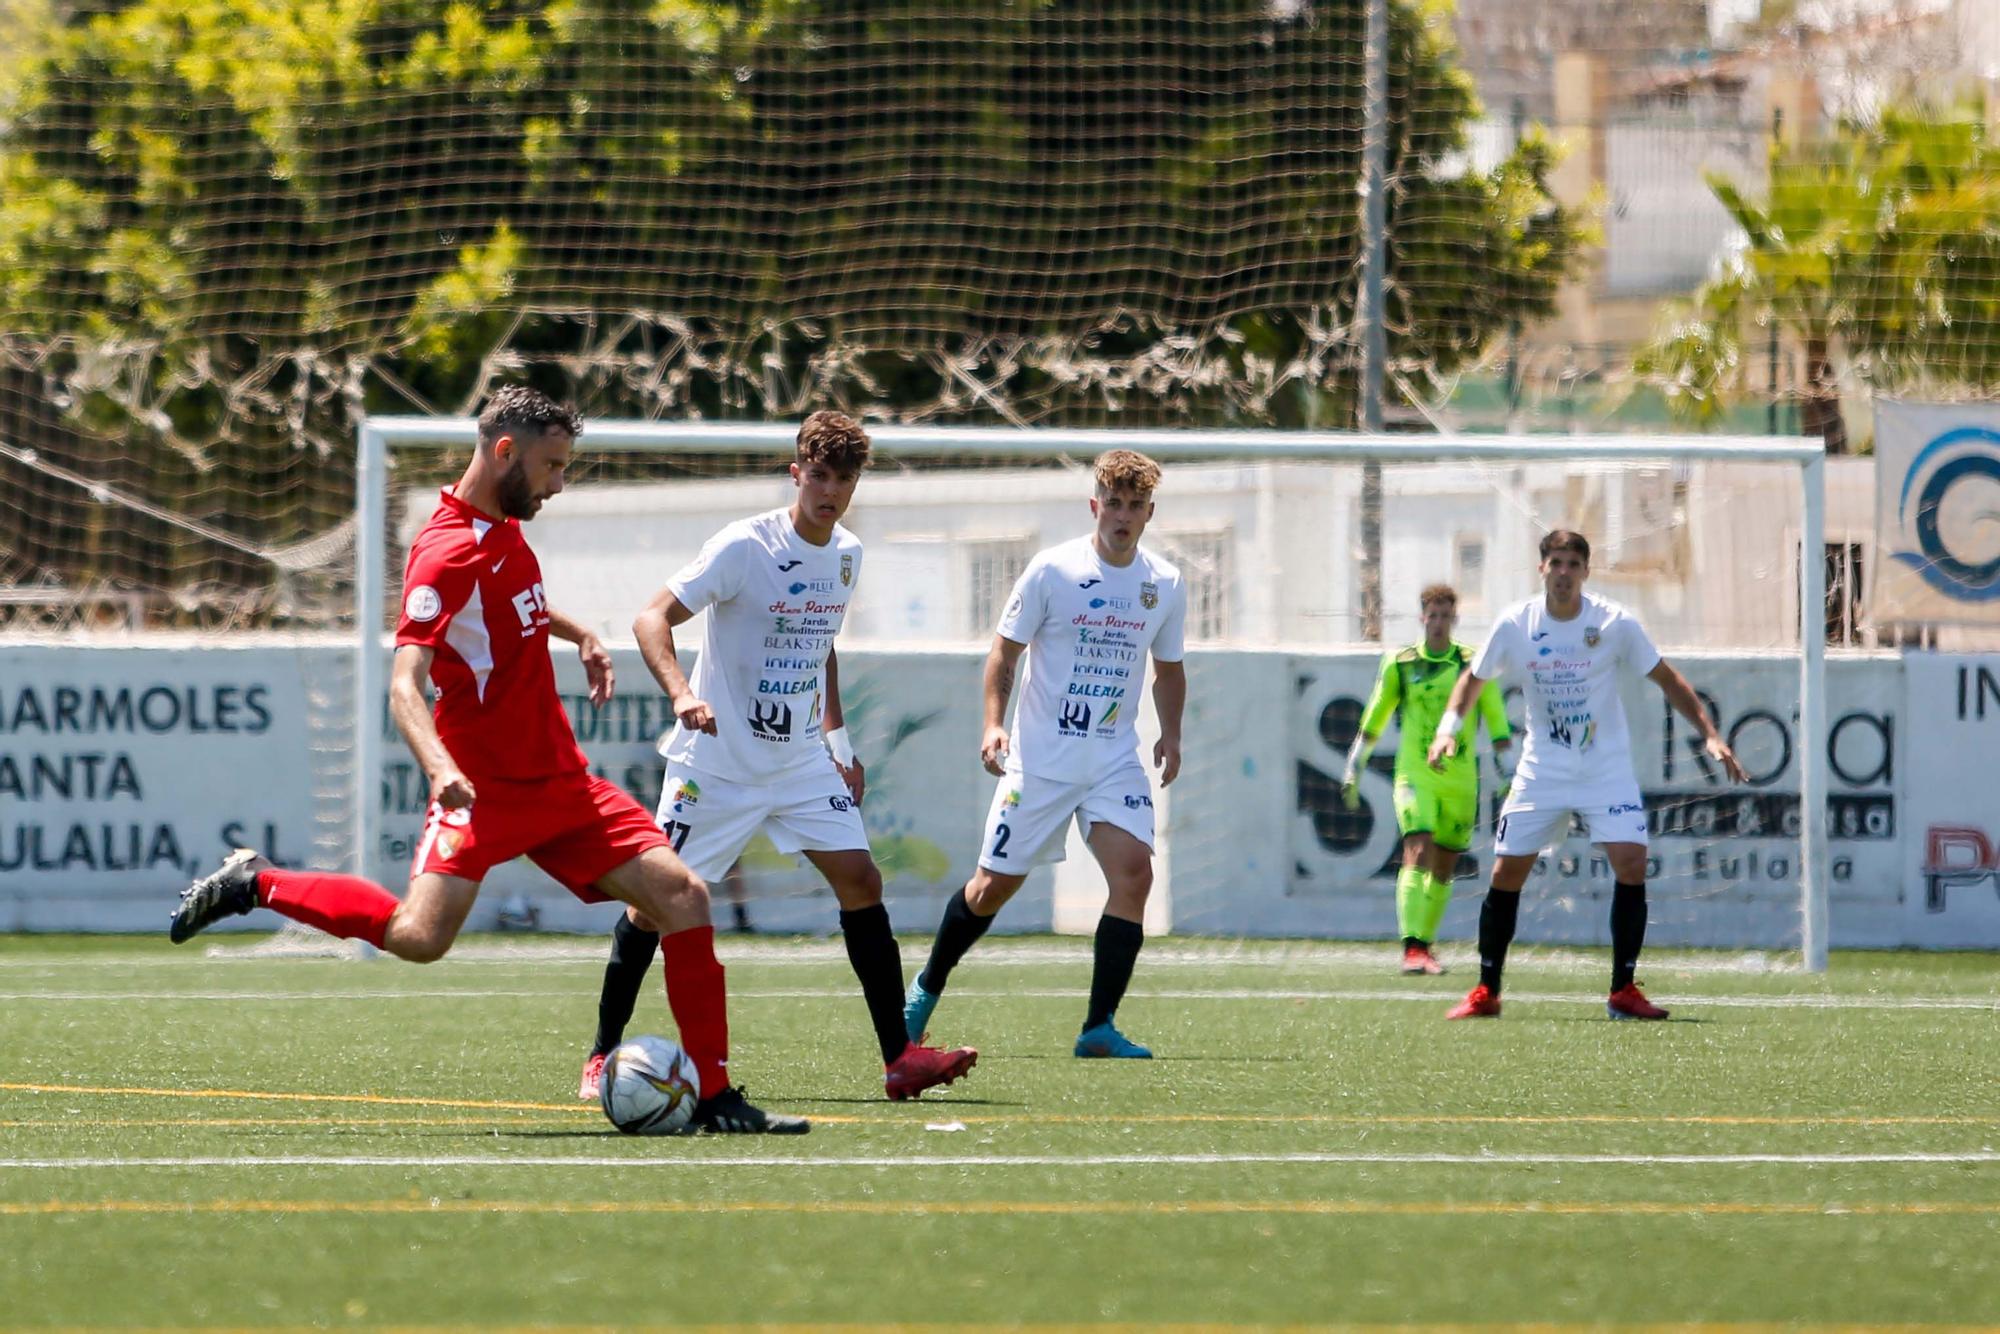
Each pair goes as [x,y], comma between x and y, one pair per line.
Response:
[650,1087]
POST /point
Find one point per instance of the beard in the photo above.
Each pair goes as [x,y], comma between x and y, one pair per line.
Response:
[517,495]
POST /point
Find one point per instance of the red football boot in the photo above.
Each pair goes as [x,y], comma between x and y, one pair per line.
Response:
[591,1085]
[1628,1002]
[1419,961]
[919,1068]
[1480,1003]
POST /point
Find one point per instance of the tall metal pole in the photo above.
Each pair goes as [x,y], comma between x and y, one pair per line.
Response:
[371,504]
[1771,317]
[1374,338]
[1814,763]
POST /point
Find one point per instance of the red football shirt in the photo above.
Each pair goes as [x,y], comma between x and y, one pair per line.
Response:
[472,591]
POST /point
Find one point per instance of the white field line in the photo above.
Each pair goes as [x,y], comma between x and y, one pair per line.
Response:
[579,951]
[704,1163]
[1433,997]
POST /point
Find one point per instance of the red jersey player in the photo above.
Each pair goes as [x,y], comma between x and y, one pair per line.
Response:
[507,778]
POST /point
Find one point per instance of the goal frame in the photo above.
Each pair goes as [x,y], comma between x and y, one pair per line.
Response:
[375,436]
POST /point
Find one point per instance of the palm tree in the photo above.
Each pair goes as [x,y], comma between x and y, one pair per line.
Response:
[1879,244]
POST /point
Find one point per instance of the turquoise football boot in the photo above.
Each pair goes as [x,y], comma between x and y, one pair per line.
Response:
[917,1007]
[1106,1041]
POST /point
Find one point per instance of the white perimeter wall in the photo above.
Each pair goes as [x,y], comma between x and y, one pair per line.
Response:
[125,770]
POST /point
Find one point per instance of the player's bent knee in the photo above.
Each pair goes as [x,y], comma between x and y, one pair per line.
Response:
[859,891]
[988,893]
[422,945]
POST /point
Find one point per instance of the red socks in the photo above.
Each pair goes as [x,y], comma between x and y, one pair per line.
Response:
[700,1002]
[340,905]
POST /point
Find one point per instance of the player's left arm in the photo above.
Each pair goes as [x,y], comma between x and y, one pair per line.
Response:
[1169,699]
[833,730]
[1444,742]
[1493,710]
[596,658]
[1170,682]
[1688,705]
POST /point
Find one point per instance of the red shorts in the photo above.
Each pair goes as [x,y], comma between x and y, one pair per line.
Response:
[577,828]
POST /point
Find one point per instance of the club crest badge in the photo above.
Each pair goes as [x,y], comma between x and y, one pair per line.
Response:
[846,570]
[1591,636]
[1149,595]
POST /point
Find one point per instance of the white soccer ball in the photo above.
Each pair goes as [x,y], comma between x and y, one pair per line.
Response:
[650,1087]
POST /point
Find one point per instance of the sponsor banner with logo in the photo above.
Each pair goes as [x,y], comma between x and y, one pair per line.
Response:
[1951,895]
[123,772]
[1723,865]
[1937,487]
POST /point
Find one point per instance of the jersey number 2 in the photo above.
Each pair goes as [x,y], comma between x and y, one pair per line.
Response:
[1001,833]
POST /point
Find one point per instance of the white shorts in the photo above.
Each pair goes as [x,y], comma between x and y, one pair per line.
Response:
[710,820]
[1531,822]
[1028,823]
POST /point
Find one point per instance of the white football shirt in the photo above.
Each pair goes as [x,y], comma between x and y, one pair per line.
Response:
[1577,738]
[1088,627]
[774,602]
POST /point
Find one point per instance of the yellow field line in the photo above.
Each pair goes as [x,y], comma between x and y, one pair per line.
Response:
[1540,1327]
[232,1122]
[1523,1327]
[976,1208]
[944,1109]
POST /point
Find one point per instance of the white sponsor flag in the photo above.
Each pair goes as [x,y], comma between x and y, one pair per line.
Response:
[1937,513]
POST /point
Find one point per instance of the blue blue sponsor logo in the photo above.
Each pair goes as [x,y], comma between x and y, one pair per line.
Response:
[1966,454]
[1095,603]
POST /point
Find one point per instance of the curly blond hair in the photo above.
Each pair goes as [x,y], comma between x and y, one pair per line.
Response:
[1444,593]
[835,439]
[1126,470]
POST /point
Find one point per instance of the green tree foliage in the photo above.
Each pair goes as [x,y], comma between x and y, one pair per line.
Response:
[1877,253]
[229,226]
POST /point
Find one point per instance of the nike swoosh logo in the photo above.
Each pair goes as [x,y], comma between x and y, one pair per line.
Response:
[790,565]
[498,563]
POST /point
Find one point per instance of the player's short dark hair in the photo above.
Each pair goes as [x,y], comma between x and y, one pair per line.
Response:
[1437,593]
[1126,470]
[835,439]
[1566,539]
[517,410]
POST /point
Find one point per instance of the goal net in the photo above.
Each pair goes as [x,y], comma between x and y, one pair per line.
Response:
[1289,608]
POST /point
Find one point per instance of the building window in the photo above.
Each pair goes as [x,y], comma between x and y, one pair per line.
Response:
[1204,561]
[1843,593]
[992,566]
[1468,572]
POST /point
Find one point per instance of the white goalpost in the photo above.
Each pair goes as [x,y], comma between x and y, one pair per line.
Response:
[1279,509]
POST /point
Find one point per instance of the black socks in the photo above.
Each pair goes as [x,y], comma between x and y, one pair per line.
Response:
[958,932]
[878,963]
[1628,932]
[1496,932]
[1118,944]
[632,952]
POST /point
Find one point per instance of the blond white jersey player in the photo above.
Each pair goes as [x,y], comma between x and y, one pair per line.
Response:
[759,741]
[1086,614]
[1567,648]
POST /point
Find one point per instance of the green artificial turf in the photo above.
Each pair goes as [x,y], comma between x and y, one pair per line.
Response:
[189,1140]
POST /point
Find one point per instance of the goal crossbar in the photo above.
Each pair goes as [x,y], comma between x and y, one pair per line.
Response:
[376,435]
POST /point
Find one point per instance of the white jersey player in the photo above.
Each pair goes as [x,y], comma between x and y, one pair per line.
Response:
[1086,614]
[1567,649]
[759,742]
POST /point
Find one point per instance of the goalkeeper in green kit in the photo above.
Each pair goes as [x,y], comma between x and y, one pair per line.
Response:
[1435,809]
